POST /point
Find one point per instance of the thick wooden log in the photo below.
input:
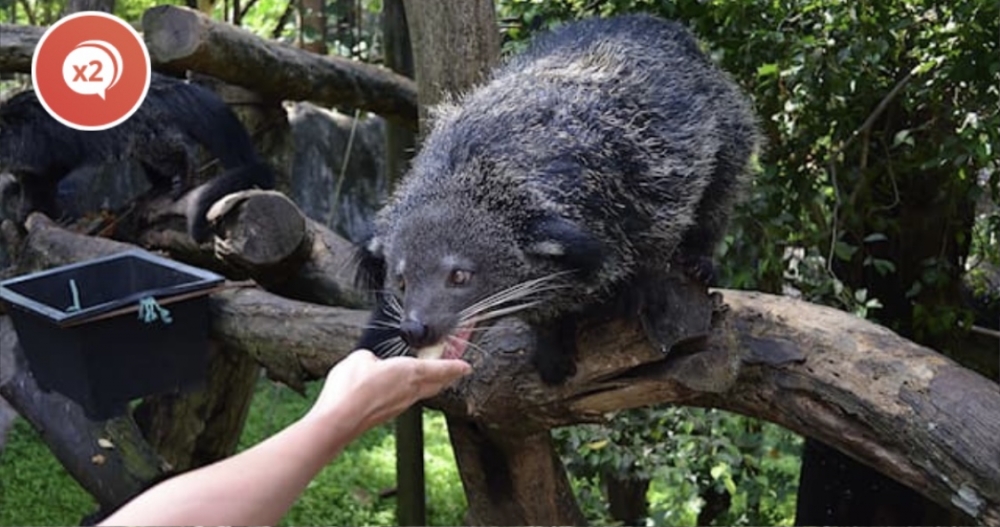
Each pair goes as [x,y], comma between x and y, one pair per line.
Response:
[512,479]
[197,427]
[901,408]
[17,45]
[295,341]
[264,236]
[179,39]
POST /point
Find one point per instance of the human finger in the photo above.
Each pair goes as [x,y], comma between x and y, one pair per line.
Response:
[434,375]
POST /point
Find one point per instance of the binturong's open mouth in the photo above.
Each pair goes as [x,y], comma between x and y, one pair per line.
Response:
[451,347]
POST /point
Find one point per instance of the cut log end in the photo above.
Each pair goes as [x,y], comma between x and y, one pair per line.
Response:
[261,229]
[172,32]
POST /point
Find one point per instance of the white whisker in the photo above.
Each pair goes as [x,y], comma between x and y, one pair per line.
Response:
[383,324]
[500,312]
[513,293]
[468,343]
[395,307]
[398,349]
[379,348]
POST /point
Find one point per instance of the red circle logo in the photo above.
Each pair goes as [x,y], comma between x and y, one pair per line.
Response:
[91,70]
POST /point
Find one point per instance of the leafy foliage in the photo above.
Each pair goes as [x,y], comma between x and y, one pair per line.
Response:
[690,455]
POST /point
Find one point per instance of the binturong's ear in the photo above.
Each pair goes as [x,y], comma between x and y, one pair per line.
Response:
[369,265]
[567,243]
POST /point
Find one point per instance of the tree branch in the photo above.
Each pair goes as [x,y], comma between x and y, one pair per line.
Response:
[17,45]
[182,39]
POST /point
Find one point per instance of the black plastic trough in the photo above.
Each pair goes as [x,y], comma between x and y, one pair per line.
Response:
[109,330]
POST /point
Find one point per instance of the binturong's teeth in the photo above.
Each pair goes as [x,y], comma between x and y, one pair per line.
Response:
[431,352]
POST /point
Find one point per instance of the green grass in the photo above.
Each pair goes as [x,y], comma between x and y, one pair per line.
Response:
[34,487]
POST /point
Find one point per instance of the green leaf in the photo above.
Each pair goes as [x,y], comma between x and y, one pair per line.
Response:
[926,66]
[730,485]
[844,250]
[902,137]
[718,470]
[860,295]
[597,445]
[766,70]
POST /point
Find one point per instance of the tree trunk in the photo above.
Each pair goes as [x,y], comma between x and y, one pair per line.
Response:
[626,498]
[455,43]
[346,25]
[75,6]
[512,478]
[400,142]
[194,429]
[399,145]
[312,26]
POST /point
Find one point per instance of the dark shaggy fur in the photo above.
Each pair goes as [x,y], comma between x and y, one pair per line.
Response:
[40,151]
[584,168]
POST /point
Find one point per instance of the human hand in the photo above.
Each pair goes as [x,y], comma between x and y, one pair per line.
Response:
[369,391]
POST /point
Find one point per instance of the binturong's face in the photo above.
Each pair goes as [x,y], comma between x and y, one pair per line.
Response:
[452,267]
[451,271]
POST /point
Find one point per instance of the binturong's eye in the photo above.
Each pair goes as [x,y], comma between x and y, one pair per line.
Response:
[459,277]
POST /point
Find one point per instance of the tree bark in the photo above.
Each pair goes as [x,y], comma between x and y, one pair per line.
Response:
[312,26]
[265,237]
[400,143]
[449,46]
[626,497]
[182,39]
[512,478]
[455,42]
[75,6]
[17,45]
[193,429]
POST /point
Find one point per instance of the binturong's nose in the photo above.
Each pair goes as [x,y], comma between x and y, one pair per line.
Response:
[415,333]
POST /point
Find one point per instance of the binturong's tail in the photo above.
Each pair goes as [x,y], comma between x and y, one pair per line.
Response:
[255,175]
[206,118]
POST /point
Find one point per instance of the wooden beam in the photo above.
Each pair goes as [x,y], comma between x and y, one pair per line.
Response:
[182,39]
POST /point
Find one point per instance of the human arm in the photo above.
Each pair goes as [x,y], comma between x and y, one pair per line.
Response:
[260,484]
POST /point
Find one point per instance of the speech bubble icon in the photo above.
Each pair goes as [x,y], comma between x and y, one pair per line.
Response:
[92,68]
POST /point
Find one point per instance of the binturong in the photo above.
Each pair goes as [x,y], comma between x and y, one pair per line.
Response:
[174,116]
[576,176]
